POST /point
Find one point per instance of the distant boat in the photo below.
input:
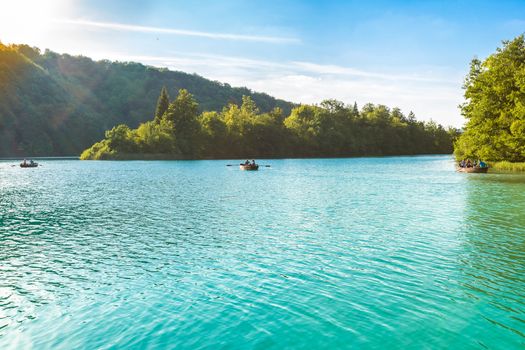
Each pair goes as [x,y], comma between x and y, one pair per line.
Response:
[249,166]
[29,164]
[476,169]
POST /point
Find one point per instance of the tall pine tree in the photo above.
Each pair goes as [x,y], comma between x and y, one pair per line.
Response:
[355,110]
[162,105]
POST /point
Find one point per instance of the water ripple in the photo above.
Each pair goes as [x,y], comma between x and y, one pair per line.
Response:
[336,253]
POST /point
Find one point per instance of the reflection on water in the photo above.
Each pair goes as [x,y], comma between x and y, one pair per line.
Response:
[501,178]
[494,260]
[399,252]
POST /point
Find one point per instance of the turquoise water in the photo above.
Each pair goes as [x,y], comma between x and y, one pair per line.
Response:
[368,253]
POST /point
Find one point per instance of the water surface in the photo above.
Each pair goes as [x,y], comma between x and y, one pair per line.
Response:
[364,253]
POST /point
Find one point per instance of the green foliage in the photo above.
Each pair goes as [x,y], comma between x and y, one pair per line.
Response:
[162,104]
[156,138]
[99,150]
[214,134]
[330,129]
[495,106]
[182,113]
[53,104]
[121,138]
[508,166]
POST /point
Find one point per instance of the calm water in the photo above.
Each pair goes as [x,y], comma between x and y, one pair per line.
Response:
[328,253]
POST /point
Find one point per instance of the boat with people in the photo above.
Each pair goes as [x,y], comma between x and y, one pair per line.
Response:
[30,164]
[473,170]
[249,166]
[466,166]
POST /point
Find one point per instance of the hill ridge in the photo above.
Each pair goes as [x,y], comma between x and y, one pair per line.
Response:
[59,104]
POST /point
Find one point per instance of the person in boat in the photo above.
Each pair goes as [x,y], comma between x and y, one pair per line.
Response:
[469,164]
[247,162]
[482,164]
[24,162]
[253,162]
[462,163]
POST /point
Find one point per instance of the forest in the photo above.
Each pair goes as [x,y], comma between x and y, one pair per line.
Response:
[495,108]
[330,129]
[57,104]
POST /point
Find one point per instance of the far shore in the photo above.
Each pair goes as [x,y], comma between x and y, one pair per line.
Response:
[160,156]
[503,166]
[38,157]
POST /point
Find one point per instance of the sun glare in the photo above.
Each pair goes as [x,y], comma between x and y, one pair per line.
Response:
[29,21]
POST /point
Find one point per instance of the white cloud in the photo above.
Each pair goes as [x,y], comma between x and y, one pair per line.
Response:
[428,101]
[429,94]
[334,69]
[172,31]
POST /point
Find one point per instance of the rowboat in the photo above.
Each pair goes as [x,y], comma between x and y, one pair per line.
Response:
[249,166]
[476,169]
[29,165]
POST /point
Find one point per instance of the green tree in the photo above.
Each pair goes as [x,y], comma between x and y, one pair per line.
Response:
[162,105]
[355,110]
[495,106]
[69,101]
[120,139]
[304,125]
[182,112]
[157,138]
[329,129]
[248,106]
[214,134]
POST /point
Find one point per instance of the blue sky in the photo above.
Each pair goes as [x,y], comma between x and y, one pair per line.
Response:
[410,54]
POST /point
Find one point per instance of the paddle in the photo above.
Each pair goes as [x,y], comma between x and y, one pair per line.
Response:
[263,165]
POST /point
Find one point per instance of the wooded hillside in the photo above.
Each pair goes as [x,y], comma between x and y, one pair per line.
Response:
[53,104]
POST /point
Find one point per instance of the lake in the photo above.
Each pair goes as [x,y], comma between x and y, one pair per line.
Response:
[368,253]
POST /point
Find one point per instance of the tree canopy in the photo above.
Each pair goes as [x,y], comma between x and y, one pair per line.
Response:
[242,130]
[57,104]
[495,106]
[162,104]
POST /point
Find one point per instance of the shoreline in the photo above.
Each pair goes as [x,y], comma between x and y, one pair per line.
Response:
[505,166]
[40,157]
[153,157]
[495,167]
